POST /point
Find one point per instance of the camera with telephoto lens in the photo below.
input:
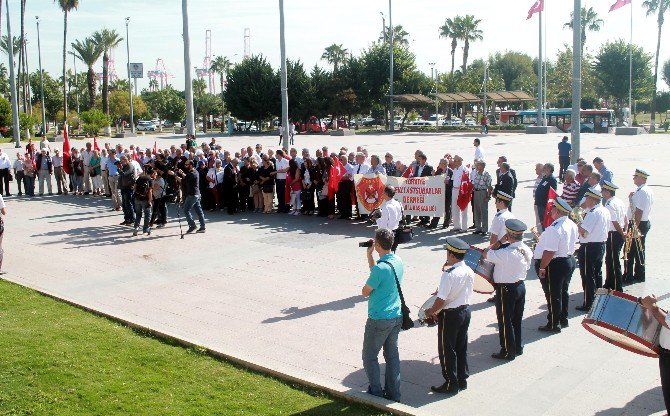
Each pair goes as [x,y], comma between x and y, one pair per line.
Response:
[365,244]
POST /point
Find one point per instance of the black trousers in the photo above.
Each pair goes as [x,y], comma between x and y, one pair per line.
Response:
[563,162]
[553,286]
[396,241]
[591,269]
[4,180]
[613,277]
[244,199]
[230,194]
[510,302]
[344,198]
[281,198]
[452,343]
[664,364]
[636,258]
[565,292]
[159,211]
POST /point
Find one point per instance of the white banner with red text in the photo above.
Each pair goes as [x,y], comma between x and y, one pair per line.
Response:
[423,196]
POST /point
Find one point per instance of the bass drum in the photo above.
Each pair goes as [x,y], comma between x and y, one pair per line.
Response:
[483,269]
[423,320]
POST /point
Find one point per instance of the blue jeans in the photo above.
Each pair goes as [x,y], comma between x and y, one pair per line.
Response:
[28,185]
[382,333]
[193,202]
[142,210]
[127,205]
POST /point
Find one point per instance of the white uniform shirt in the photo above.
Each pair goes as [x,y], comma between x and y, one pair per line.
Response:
[479,153]
[512,262]
[4,161]
[664,337]
[617,212]
[456,285]
[596,187]
[596,223]
[643,199]
[560,237]
[281,164]
[391,214]
[458,177]
[498,224]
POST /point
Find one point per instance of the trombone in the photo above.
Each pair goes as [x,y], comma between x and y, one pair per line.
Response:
[632,236]
[536,237]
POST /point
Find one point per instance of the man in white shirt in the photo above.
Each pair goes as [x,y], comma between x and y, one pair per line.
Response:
[641,202]
[479,152]
[593,233]
[615,236]
[458,217]
[391,214]
[59,173]
[86,157]
[663,317]
[104,172]
[5,167]
[280,182]
[554,264]
[498,229]
[512,259]
[452,314]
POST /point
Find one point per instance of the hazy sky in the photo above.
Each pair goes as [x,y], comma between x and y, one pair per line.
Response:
[311,25]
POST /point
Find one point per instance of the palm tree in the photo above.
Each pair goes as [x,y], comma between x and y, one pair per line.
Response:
[66,6]
[221,65]
[590,22]
[88,52]
[334,55]
[153,85]
[107,40]
[468,27]
[654,6]
[450,29]
[400,36]
[16,43]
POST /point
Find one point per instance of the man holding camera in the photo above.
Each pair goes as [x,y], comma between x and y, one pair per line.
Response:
[384,315]
[391,214]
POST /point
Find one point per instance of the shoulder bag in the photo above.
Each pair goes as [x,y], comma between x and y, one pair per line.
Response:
[407,322]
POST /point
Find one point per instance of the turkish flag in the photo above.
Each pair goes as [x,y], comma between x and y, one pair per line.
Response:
[551,197]
[619,4]
[155,149]
[337,171]
[409,172]
[465,191]
[537,7]
[66,151]
[95,144]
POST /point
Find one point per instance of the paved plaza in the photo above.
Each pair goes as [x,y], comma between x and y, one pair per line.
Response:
[282,293]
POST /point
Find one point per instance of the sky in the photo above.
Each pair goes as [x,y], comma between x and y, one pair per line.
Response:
[311,25]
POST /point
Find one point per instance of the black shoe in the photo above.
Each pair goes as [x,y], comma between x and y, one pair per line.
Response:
[446,388]
[86,193]
[549,328]
[502,355]
[124,223]
[190,230]
[20,193]
[583,308]
[564,323]
[519,352]
[431,226]
[201,230]
[492,299]
[445,225]
[463,385]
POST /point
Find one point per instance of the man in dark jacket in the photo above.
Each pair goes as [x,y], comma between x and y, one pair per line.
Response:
[44,170]
[126,185]
[422,169]
[542,192]
[506,182]
[191,196]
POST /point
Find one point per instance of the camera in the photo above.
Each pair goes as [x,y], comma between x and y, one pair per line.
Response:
[365,244]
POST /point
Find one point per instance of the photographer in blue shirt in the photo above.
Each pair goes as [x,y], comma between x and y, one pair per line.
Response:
[384,316]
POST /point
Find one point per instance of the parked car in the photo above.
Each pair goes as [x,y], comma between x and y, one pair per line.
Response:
[313,125]
[454,121]
[470,122]
[422,123]
[146,126]
[369,121]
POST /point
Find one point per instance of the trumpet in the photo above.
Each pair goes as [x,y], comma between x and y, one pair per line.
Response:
[577,215]
[536,237]
[632,237]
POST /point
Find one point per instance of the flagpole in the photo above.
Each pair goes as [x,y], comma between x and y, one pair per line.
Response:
[575,119]
[630,60]
[539,74]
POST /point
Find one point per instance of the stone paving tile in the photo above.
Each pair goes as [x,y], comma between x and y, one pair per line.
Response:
[283,292]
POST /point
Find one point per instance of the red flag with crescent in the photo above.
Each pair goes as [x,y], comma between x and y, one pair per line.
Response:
[337,171]
[537,7]
[465,191]
[66,151]
[551,197]
[95,144]
[619,4]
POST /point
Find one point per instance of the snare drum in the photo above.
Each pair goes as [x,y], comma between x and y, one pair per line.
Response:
[423,320]
[618,318]
[483,270]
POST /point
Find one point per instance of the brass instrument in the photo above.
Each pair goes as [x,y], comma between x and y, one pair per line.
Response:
[577,215]
[631,237]
[536,237]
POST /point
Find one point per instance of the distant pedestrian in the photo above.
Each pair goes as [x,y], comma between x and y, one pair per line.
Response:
[564,154]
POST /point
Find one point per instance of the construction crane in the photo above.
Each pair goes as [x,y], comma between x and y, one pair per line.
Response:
[205,71]
[160,73]
[247,42]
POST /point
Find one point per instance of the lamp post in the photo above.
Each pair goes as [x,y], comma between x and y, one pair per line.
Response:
[434,77]
[575,120]
[391,123]
[39,57]
[130,83]
[12,82]
[188,81]
[284,81]
[76,84]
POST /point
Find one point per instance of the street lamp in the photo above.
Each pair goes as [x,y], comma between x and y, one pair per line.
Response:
[575,121]
[188,81]
[12,81]
[130,84]
[284,82]
[392,127]
[433,75]
[76,84]
[39,56]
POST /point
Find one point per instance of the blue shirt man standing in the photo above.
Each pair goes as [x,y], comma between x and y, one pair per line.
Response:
[564,154]
[384,316]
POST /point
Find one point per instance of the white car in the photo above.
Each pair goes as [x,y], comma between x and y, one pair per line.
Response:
[470,122]
[454,121]
[146,126]
[422,123]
